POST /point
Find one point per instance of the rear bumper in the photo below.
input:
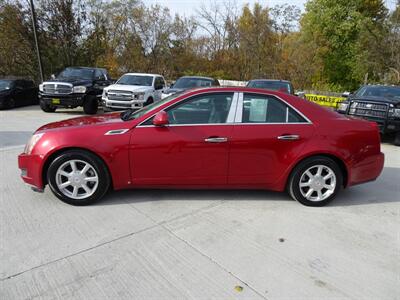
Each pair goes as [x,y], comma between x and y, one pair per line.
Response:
[31,169]
[367,170]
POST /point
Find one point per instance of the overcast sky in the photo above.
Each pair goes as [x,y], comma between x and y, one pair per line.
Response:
[188,7]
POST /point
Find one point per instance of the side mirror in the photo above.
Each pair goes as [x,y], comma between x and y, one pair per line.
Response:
[346,94]
[161,119]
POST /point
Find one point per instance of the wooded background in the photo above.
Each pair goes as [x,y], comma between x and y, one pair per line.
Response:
[333,45]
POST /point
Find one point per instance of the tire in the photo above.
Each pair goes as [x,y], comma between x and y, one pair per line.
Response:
[316,182]
[10,103]
[90,105]
[46,107]
[96,170]
[149,101]
[397,139]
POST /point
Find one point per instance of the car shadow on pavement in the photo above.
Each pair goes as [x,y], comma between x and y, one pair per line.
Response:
[385,190]
[149,195]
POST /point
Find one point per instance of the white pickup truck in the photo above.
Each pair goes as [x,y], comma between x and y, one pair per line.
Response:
[133,90]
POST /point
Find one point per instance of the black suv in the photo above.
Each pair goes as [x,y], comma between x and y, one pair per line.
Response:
[378,103]
[73,87]
[17,92]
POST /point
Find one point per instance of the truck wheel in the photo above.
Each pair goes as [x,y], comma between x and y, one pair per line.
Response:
[149,101]
[397,139]
[46,107]
[90,105]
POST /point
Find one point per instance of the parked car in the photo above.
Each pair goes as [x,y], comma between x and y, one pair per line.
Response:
[133,90]
[233,138]
[73,87]
[377,103]
[189,82]
[17,92]
[272,84]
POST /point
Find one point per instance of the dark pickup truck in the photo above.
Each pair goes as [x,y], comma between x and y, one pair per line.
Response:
[377,103]
[73,87]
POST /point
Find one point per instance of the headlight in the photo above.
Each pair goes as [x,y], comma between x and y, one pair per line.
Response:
[394,112]
[41,87]
[32,142]
[80,89]
[139,96]
[343,106]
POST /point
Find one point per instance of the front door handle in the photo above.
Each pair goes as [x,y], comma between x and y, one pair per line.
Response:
[216,140]
[289,137]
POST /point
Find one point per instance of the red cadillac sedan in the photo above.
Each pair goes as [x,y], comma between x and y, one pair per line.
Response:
[213,138]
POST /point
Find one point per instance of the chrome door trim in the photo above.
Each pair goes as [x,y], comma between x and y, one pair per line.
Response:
[116,131]
[216,140]
[289,137]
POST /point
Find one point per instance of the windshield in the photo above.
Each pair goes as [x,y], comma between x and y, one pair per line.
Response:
[187,83]
[5,85]
[76,73]
[134,114]
[136,80]
[379,91]
[270,85]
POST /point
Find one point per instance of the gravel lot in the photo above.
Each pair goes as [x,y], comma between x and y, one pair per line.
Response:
[194,244]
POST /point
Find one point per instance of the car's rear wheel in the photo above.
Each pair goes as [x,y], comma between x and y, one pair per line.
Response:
[46,107]
[315,181]
[78,177]
[90,105]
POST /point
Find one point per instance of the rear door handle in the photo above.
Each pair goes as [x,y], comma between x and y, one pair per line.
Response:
[216,140]
[289,137]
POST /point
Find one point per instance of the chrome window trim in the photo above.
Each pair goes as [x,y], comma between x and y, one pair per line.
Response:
[240,111]
[235,95]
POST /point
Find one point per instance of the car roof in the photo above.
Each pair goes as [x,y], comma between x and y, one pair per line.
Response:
[143,74]
[271,80]
[197,77]
[380,85]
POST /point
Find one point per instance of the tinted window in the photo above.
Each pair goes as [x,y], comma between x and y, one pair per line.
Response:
[142,80]
[5,84]
[99,75]
[379,91]
[203,109]
[270,85]
[78,73]
[159,83]
[268,109]
[190,82]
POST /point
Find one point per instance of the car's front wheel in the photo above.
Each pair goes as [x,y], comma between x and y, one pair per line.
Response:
[397,139]
[78,177]
[315,181]
[90,105]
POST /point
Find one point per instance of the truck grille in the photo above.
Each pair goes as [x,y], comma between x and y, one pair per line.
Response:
[57,88]
[367,109]
[120,95]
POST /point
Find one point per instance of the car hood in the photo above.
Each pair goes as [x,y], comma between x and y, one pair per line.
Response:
[105,119]
[129,88]
[375,99]
[73,81]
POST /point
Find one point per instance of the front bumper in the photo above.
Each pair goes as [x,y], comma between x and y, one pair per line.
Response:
[70,100]
[31,169]
[113,104]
